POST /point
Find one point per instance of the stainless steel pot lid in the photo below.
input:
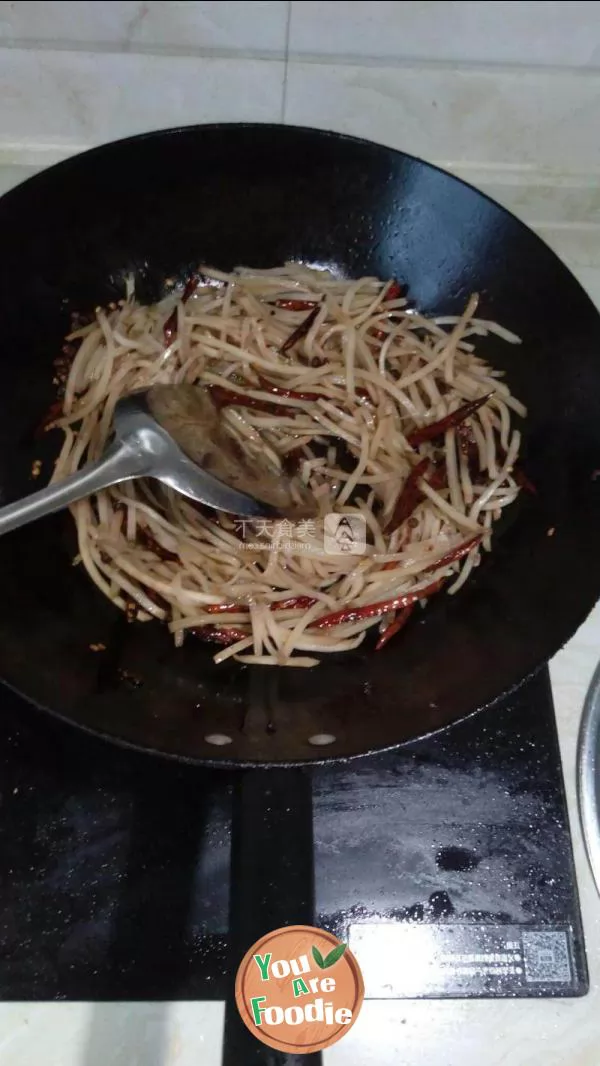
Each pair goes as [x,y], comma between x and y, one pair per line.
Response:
[588,774]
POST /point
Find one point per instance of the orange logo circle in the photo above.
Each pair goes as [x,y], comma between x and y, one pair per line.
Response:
[299,989]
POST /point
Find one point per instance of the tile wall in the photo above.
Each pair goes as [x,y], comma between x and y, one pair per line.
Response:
[506,94]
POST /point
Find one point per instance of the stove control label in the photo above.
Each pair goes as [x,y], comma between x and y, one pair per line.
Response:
[299,989]
[402,960]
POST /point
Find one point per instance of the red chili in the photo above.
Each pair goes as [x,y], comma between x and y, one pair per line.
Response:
[279,605]
[292,461]
[395,291]
[469,449]
[170,326]
[223,397]
[158,600]
[394,627]
[456,553]
[410,496]
[466,440]
[288,394]
[54,411]
[438,479]
[449,557]
[150,542]
[219,634]
[520,476]
[435,429]
[300,331]
[295,305]
[374,610]
[409,501]
[294,394]
[191,285]
[224,608]
[523,481]
[292,602]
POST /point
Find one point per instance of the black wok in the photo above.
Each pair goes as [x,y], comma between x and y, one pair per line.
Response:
[258,195]
[158,205]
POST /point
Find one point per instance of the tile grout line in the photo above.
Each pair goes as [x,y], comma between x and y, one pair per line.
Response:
[171,51]
[444,65]
[328,59]
[286,60]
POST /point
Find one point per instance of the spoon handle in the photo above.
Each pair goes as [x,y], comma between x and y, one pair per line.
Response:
[120,463]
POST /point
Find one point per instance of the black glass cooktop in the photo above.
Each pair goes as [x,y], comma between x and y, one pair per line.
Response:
[447,865]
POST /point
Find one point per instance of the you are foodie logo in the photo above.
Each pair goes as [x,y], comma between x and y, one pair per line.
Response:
[299,989]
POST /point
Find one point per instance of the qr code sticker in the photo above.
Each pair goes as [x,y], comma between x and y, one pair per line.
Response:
[546,957]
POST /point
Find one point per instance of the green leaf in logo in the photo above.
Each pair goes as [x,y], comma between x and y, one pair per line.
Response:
[316,954]
[335,954]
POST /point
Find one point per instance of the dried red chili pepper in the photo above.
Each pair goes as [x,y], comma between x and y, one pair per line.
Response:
[519,475]
[54,411]
[131,609]
[394,292]
[224,608]
[295,305]
[170,326]
[409,501]
[192,283]
[523,481]
[288,394]
[158,600]
[374,610]
[439,478]
[219,634]
[288,604]
[298,394]
[457,553]
[379,334]
[292,461]
[410,496]
[300,331]
[224,397]
[451,556]
[150,542]
[394,627]
[293,602]
[435,429]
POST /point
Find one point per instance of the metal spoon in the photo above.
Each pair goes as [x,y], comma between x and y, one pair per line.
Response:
[174,433]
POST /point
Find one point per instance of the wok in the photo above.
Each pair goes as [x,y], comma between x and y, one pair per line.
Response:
[159,204]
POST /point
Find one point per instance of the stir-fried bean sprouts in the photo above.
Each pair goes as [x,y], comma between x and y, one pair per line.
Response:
[389,417]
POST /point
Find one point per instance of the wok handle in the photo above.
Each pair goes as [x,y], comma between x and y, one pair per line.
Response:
[271,885]
[120,463]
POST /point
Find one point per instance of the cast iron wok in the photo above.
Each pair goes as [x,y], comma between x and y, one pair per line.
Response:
[258,195]
[158,205]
